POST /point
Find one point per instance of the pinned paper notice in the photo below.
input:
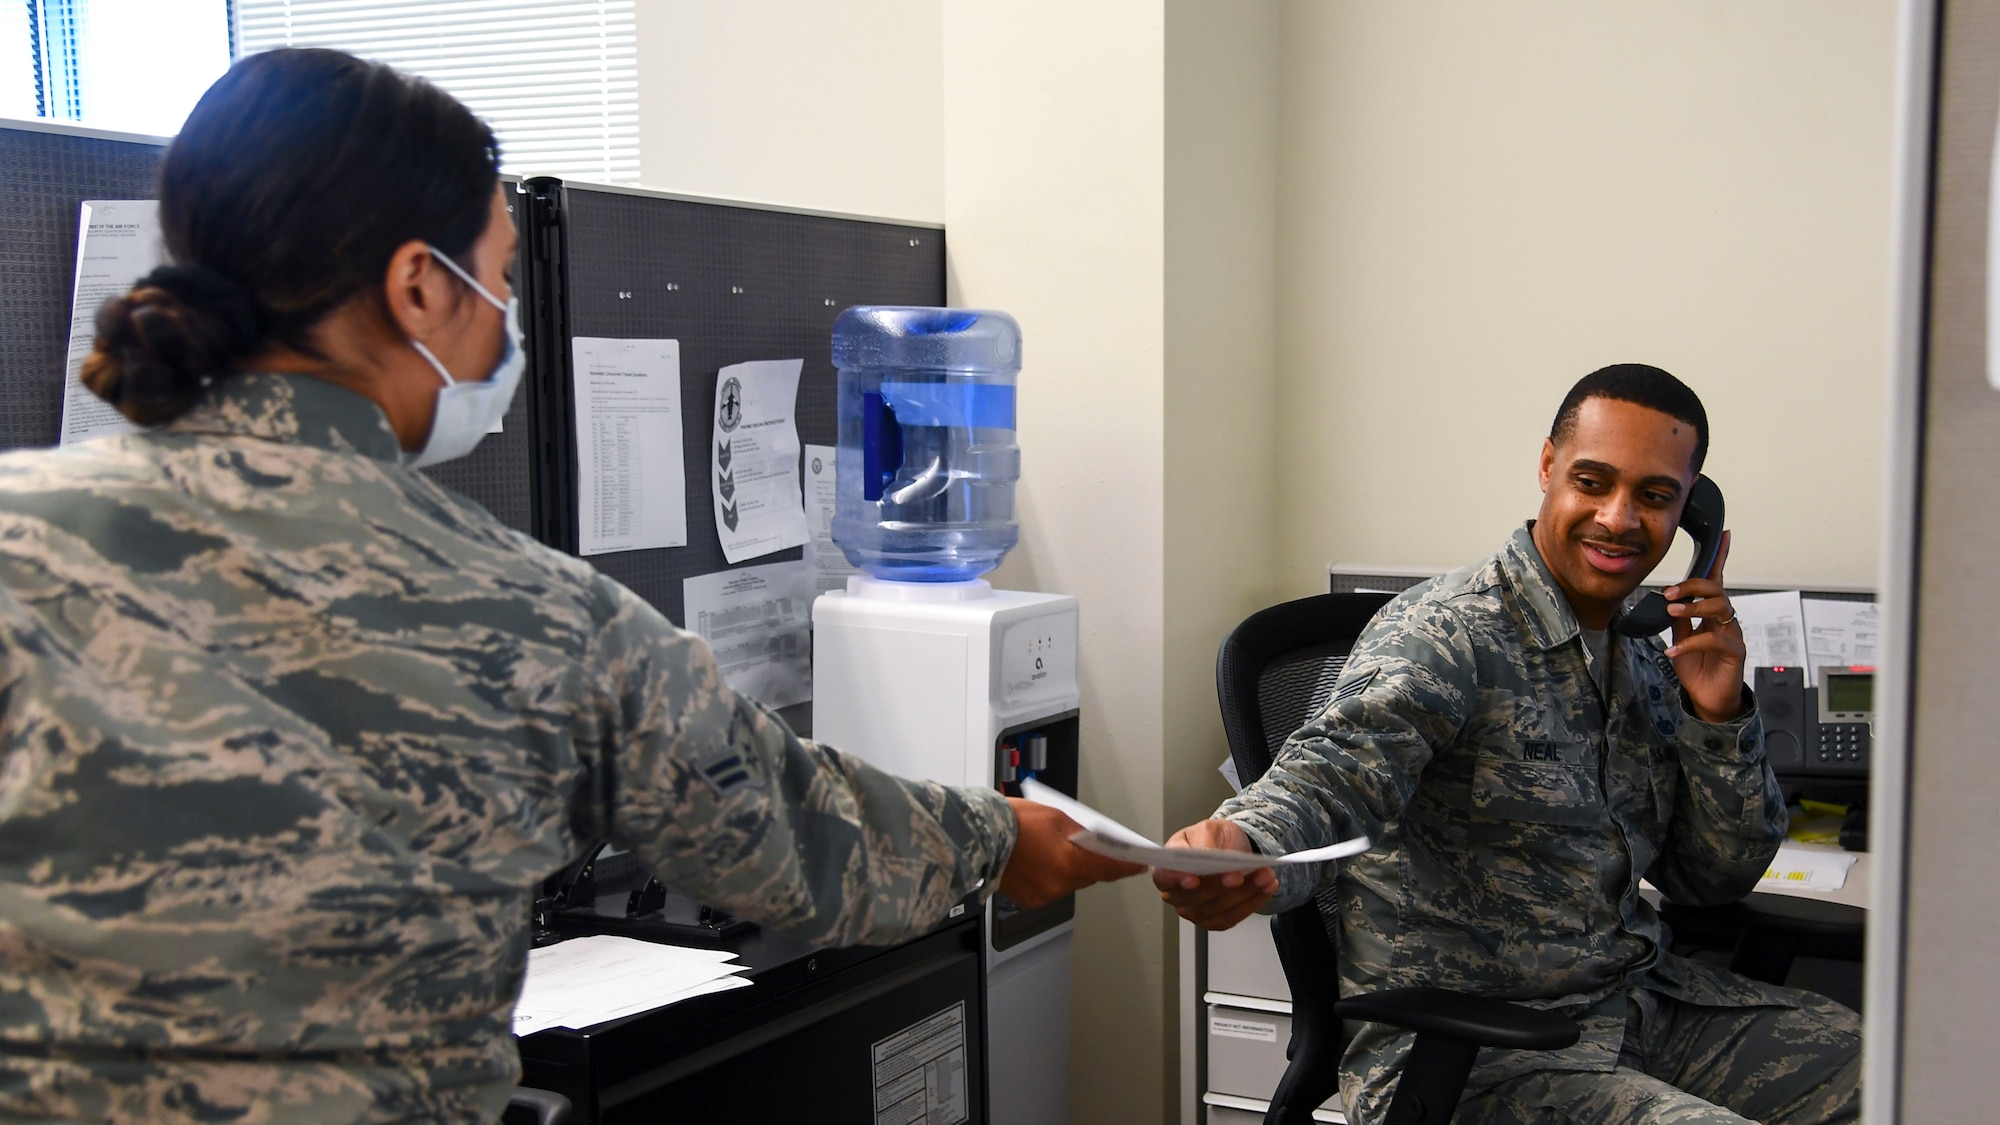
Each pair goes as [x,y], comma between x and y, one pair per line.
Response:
[1107,837]
[1808,869]
[758,621]
[117,243]
[632,488]
[754,459]
[830,566]
[1841,633]
[1774,631]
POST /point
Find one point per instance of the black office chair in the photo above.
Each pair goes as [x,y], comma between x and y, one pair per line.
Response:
[1274,674]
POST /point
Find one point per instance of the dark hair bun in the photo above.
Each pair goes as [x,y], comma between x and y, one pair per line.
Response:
[159,345]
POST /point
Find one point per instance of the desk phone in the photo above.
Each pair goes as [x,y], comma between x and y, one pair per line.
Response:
[1818,730]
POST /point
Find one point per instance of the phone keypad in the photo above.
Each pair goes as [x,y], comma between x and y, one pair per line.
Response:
[1843,743]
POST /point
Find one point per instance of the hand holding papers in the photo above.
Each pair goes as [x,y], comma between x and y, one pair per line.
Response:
[1107,837]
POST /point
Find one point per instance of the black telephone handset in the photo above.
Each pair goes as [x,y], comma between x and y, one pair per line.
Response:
[1701,518]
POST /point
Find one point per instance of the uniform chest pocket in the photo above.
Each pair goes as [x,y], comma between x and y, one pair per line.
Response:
[1558,789]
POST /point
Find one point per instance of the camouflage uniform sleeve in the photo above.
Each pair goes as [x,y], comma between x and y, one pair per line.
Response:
[1405,692]
[1729,813]
[728,806]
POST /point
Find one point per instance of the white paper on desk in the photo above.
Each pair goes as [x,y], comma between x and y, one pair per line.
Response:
[1774,631]
[631,489]
[1840,633]
[117,243]
[1807,869]
[754,459]
[830,568]
[757,620]
[1107,837]
[588,980]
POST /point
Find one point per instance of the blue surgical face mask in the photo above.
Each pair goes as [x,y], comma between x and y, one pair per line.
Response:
[468,409]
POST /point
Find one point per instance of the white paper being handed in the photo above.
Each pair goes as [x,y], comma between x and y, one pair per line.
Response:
[1107,837]
[754,459]
[117,243]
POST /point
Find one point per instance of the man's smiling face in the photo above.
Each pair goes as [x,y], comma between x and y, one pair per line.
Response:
[1611,499]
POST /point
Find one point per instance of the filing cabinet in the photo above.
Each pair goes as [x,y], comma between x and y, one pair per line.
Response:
[1236,998]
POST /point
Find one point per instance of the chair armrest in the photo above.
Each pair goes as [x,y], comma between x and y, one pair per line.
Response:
[541,1107]
[1455,1015]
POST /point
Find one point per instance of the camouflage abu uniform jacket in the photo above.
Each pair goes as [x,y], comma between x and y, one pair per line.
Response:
[1514,809]
[290,733]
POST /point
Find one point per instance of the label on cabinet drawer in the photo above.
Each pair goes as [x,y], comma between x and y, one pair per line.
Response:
[1243,1029]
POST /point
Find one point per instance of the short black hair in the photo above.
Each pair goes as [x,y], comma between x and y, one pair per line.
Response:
[1643,385]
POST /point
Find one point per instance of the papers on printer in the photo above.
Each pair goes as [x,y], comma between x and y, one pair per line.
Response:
[1107,837]
[589,980]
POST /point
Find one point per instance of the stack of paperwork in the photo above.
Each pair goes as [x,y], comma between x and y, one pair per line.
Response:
[589,980]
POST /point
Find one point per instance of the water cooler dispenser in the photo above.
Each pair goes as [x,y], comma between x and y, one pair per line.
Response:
[920,666]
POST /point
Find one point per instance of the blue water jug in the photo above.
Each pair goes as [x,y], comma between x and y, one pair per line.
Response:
[925,470]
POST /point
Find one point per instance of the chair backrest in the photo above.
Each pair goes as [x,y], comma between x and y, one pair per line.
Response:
[1276,671]
[1274,674]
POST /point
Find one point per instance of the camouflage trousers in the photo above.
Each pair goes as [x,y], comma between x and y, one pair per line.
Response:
[1686,1064]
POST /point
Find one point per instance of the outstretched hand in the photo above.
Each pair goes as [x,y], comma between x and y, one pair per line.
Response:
[1045,866]
[1708,658]
[1215,902]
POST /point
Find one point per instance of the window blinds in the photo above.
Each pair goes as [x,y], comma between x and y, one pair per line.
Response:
[557,79]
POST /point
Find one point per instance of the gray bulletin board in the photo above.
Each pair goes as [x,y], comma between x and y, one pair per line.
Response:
[731,283]
[44,179]
[46,172]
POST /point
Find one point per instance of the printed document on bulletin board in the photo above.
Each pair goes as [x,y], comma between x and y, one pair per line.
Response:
[755,459]
[631,484]
[758,621]
[117,243]
[830,567]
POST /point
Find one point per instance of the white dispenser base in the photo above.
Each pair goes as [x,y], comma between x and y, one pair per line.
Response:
[935,681]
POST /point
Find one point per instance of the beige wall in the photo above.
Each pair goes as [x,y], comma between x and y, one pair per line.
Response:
[1222,513]
[1480,203]
[834,107]
[1221,502]
[1053,164]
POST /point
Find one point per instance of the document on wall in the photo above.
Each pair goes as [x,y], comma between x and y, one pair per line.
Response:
[755,459]
[117,243]
[1107,837]
[830,567]
[1840,633]
[757,621]
[1774,630]
[631,488]
[588,980]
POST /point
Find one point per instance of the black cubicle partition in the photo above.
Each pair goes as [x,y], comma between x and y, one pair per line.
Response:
[732,283]
[45,175]
[46,172]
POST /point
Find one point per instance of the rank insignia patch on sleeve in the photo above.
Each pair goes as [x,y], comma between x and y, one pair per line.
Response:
[1355,686]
